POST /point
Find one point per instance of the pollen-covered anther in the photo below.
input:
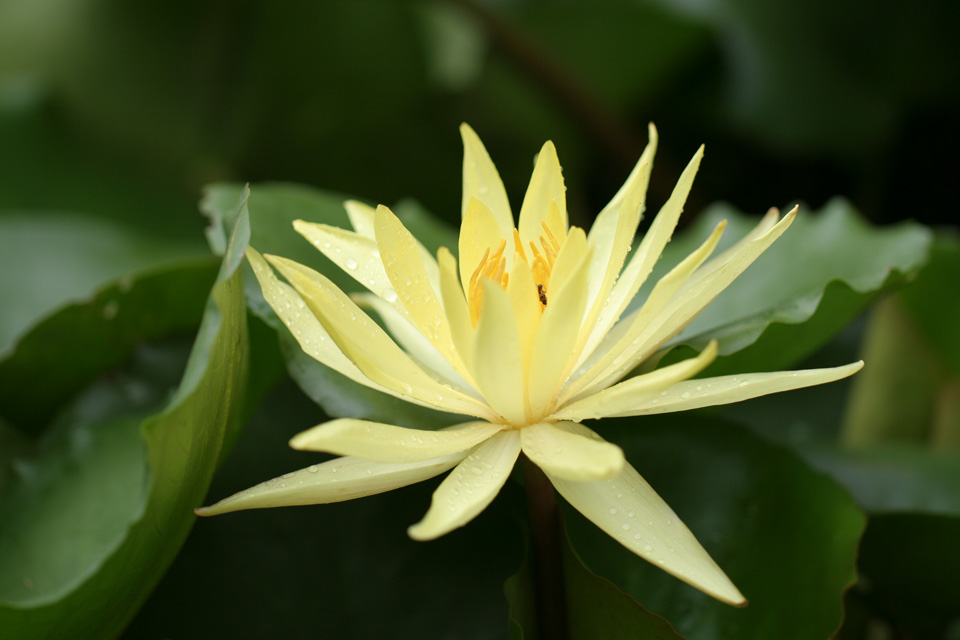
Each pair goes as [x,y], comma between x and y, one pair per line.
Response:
[491,267]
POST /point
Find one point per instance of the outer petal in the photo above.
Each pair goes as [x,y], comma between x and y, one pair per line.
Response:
[369,347]
[389,443]
[356,254]
[334,481]
[641,263]
[621,343]
[361,217]
[470,487]
[497,358]
[651,384]
[631,512]
[400,253]
[565,454]
[481,181]
[309,332]
[708,392]
[455,306]
[414,342]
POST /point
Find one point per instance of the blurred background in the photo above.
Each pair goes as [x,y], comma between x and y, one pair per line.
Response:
[115,115]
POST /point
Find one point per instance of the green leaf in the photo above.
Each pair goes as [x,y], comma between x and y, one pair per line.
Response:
[596,608]
[54,258]
[936,313]
[272,209]
[813,281]
[782,532]
[95,513]
[345,570]
[886,478]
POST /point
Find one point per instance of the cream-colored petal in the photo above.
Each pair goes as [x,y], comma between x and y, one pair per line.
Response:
[481,181]
[497,358]
[402,261]
[563,453]
[691,299]
[569,261]
[613,355]
[526,308]
[628,509]
[470,487]
[709,392]
[368,346]
[389,443]
[651,385]
[553,354]
[334,481]
[546,187]
[455,306]
[480,235]
[641,262]
[303,325]
[355,254]
[361,217]
[414,342]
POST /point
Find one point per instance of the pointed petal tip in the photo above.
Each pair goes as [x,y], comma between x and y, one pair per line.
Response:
[421,533]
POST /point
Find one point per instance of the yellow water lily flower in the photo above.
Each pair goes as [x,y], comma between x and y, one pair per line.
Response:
[529,335]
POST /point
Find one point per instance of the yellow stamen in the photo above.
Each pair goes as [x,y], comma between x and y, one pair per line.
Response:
[491,267]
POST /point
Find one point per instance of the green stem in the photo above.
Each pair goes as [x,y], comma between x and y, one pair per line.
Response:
[548,568]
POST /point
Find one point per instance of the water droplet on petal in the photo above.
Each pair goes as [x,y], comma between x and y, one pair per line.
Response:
[648,547]
[350,263]
[389,295]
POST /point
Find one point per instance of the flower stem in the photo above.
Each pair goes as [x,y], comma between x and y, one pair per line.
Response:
[548,568]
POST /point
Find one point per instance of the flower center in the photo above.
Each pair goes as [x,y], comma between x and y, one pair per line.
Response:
[493,266]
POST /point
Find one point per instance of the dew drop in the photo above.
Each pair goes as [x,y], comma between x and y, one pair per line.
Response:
[312,468]
[613,511]
[637,536]
[625,526]
[685,395]
[389,295]
[648,547]
[631,513]
[350,263]
[287,476]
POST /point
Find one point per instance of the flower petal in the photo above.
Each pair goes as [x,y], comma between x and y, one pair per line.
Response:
[334,481]
[455,306]
[308,331]
[628,509]
[644,164]
[709,392]
[400,253]
[563,453]
[553,353]
[654,384]
[481,181]
[479,233]
[614,354]
[357,255]
[361,217]
[470,487]
[641,263]
[546,187]
[497,358]
[413,342]
[369,347]
[389,443]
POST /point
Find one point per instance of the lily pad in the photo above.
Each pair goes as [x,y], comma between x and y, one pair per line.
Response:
[782,532]
[95,513]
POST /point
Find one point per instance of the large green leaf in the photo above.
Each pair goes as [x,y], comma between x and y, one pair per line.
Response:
[54,258]
[96,511]
[813,281]
[782,532]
